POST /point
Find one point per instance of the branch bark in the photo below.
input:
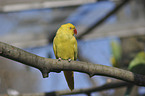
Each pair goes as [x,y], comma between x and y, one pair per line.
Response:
[46,65]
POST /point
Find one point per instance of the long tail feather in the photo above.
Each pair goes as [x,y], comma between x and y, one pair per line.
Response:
[69,76]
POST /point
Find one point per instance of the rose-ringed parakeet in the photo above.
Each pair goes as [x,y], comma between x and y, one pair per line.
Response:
[116,53]
[137,65]
[65,48]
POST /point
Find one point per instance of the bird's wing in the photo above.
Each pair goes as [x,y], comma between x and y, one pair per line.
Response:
[54,47]
[75,48]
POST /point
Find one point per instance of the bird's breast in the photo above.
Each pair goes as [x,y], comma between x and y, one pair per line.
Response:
[65,48]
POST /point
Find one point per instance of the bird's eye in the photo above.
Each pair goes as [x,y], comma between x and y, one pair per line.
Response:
[70,28]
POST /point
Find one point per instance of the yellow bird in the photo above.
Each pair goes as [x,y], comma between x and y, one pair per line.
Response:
[65,48]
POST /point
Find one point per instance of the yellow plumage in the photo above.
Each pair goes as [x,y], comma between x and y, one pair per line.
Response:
[114,62]
[65,47]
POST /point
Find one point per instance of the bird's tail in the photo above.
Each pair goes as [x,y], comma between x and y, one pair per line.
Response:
[69,76]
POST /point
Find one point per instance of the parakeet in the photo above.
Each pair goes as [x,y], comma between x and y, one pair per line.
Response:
[116,53]
[65,48]
[137,65]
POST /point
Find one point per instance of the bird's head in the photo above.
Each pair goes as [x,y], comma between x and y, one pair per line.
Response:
[69,28]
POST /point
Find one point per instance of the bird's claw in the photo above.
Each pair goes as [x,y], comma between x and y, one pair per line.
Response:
[59,59]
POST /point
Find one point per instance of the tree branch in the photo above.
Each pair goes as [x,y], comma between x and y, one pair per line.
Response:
[46,65]
[89,30]
[79,91]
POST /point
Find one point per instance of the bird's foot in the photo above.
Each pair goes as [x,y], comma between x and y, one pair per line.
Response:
[69,60]
[59,59]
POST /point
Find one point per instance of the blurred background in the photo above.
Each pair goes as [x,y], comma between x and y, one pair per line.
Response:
[32,24]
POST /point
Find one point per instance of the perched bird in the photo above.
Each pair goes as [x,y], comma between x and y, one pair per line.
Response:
[116,54]
[137,65]
[65,48]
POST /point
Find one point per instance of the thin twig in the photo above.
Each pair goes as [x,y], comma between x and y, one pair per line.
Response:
[101,21]
[107,86]
[95,89]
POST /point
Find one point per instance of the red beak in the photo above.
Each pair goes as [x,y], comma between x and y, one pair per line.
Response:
[75,31]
